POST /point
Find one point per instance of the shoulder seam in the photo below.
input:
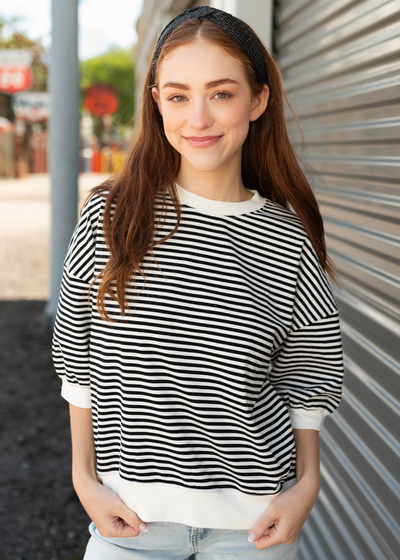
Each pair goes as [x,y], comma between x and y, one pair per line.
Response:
[93,208]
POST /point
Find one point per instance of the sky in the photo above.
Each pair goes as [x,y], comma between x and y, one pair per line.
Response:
[102,23]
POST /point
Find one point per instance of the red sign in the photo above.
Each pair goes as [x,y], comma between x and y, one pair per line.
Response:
[15,78]
[101,99]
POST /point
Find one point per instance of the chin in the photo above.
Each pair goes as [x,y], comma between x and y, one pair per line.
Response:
[204,167]
[204,162]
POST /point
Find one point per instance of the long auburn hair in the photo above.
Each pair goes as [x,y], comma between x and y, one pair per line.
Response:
[269,165]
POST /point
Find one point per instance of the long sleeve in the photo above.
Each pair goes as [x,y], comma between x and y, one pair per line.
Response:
[307,362]
[71,335]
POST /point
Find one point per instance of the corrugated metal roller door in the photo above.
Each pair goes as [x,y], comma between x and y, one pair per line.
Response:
[340,61]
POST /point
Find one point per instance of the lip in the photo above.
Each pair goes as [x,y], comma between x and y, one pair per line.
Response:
[202,142]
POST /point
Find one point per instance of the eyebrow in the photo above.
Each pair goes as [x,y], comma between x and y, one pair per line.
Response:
[209,85]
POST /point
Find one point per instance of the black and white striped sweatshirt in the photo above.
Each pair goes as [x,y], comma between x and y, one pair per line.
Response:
[231,345]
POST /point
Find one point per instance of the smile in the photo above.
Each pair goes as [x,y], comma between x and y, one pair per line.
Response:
[205,142]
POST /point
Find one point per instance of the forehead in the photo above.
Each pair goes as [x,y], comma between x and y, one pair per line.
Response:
[200,60]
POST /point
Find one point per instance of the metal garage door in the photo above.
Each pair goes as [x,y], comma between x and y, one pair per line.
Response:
[340,61]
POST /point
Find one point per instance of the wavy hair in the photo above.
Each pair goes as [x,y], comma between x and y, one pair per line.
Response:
[269,165]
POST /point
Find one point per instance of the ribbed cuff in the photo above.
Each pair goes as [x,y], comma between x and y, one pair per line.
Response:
[76,394]
[307,419]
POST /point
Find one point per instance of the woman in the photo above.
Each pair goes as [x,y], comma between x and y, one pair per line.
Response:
[197,336]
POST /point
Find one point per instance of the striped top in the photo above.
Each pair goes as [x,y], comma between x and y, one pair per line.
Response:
[233,341]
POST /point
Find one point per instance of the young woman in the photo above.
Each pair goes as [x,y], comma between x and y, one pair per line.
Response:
[197,336]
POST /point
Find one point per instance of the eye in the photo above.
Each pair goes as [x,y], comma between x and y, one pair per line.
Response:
[218,93]
[172,98]
[224,93]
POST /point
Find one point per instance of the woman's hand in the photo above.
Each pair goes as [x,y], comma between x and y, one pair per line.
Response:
[289,510]
[286,514]
[107,511]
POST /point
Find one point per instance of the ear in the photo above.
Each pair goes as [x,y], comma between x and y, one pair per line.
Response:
[259,104]
[154,93]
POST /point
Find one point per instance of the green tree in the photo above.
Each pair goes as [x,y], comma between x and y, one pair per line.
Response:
[113,67]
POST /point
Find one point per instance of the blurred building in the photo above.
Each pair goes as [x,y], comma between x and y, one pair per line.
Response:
[24,111]
[340,61]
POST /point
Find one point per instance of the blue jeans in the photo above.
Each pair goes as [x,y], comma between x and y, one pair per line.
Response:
[175,541]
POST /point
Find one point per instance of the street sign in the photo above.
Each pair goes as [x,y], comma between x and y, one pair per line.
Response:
[15,78]
[15,57]
[15,70]
[101,99]
[32,106]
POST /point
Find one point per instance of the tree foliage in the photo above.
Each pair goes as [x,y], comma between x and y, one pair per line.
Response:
[113,67]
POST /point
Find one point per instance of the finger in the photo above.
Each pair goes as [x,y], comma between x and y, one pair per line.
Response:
[271,537]
[131,519]
[266,541]
[116,527]
[264,524]
[128,531]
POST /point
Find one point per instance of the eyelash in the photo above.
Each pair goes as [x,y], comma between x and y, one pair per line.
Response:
[218,92]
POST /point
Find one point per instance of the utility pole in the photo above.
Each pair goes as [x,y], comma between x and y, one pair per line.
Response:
[63,140]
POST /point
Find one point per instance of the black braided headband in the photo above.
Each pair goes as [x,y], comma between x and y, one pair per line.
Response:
[229,23]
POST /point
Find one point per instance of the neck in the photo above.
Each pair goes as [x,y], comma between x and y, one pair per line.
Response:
[227,188]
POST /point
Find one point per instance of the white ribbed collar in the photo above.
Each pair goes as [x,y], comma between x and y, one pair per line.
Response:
[220,207]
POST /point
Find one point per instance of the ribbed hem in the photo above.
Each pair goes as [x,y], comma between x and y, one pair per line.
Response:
[220,207]
[76,394]
[307,419]
[223,509]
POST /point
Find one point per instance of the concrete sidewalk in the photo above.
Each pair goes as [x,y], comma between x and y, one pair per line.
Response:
[25,233]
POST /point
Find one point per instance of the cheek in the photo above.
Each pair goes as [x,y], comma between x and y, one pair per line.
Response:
[241,114]
[238,128]
[236,118]
[171,118]
[172,132]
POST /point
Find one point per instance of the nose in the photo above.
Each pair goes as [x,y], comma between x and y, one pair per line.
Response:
[200,116]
